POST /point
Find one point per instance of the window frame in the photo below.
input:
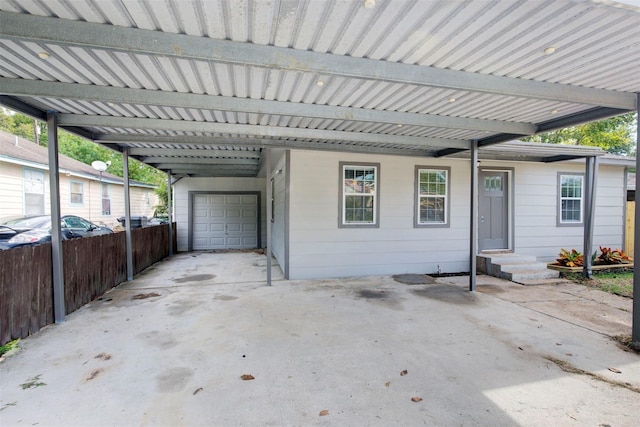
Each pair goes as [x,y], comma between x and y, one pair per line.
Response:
[71,193]
[105,195]
[560,222]
[376,196]
[28,183]
[417,196]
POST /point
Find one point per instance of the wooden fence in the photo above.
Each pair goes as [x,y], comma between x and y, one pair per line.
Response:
[92,266]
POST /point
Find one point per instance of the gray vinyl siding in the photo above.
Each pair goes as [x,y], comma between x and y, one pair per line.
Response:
[181,201]
[320,249]
[278,230]
[536,209]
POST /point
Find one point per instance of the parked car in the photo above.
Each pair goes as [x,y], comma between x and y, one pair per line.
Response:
[34,230]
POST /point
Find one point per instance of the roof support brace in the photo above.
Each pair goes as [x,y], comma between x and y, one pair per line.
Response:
[59,309]
[269,180]
[169,216]
[635,330]
[591,179]
[473,233]
[127,212]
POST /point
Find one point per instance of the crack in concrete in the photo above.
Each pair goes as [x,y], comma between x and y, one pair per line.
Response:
[568,367]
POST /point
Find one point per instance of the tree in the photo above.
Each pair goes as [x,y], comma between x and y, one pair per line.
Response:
[614,135]
[80,149]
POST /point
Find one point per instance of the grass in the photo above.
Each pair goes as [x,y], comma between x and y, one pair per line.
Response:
[8,346]
[618,282]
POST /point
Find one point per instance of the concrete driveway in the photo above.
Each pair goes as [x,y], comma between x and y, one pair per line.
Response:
[169,349]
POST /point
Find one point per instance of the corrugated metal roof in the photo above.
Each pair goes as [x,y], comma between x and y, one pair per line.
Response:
[405,76]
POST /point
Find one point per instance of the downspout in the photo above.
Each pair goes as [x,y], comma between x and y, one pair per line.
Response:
[591,180]
[57,278]
[473,232]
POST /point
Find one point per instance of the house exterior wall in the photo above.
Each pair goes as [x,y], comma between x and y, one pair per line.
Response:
[536,209]
[12,197]
[181,191]
[319,248]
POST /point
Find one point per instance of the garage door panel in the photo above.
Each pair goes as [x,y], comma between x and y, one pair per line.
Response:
[200,227]
[225,221]
[250,241]
[200,213]
[249,227]
[231,228]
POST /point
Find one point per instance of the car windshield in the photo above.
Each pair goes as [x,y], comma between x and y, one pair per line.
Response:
[33,222]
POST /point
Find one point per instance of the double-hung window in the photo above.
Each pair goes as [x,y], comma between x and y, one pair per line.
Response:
[359,194]
[76,190]
[106,200]
[570,204]
[432,197]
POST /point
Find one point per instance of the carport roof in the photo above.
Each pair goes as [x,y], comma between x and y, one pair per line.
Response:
[199,88]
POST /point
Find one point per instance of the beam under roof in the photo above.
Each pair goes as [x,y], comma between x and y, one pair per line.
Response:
[46,30]
[193,142]
[103,94]
[190,151]
[198,161]
[254,130]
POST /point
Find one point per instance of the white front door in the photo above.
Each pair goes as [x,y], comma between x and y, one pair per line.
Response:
[225,221]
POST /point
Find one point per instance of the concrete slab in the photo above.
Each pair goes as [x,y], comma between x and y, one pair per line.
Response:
[164,352]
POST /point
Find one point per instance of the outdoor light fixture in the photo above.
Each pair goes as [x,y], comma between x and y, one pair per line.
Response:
[554,111]
[452,99]
[369,4]
[549,50]
[43,55]
[320,83]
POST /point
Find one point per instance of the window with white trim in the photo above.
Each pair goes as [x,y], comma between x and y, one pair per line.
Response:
[570,192]
[33,187]
[359,194]
[106,200]
[432,196]
[76,192]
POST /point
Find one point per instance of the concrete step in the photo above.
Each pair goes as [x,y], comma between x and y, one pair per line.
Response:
[542,282]
[517,268]
[519,275]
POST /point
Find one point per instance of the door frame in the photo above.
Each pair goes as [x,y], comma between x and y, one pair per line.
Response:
[510,171]
[192,195]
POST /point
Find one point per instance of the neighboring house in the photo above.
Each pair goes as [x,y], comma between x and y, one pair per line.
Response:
[342,214]
[24,186]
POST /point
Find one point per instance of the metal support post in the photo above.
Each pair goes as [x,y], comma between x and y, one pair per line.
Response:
[169,215]
[127,213]
[267,159]
[635,329]
[59,309]
[591,179]
[473,232]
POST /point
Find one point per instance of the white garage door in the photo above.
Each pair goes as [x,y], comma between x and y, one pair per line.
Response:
[225,221]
